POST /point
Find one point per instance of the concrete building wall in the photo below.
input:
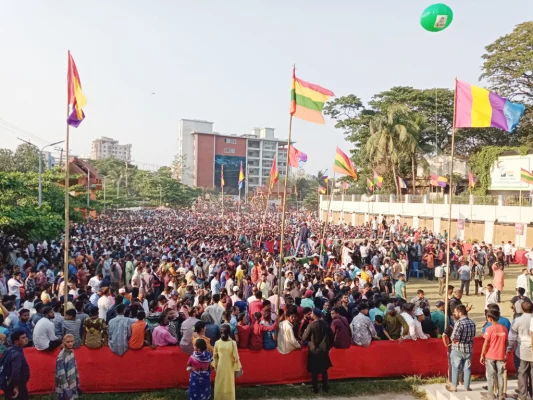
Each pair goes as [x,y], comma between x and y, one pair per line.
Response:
[204,161]
[186,128]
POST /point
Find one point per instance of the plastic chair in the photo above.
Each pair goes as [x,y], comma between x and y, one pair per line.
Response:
[416,271]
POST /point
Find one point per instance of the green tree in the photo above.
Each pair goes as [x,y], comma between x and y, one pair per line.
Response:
[26,158]
[7,163]
[390,138]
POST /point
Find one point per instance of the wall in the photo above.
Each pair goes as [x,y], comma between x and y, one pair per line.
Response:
[204,156]
[489,223]
[186,143]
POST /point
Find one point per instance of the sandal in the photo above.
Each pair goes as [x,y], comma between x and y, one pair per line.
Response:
[450,388]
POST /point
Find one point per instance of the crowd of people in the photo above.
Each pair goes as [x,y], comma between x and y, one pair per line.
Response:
[200,280]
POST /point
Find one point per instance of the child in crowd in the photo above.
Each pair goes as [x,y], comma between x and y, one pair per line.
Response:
[199,366]
[380,329]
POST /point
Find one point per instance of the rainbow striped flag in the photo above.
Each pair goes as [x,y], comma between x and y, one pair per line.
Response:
[401,183]
[325,176]
[274,173]
[471,180]
[307,100]
[343,165]
[322,190]
[222,183]
[477,107]
[76,98]
[442,181]
[378,180]
[526,176]
[241,177]
[370,183]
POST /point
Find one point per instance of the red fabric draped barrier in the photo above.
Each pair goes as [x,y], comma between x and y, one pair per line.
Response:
[520,257]
[142,370]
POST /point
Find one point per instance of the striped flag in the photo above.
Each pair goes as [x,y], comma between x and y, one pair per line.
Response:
[442,181]
[241,177]
[345,185]
[343,164]
[307,100]
[401,183]
[222,183]
[434,180]
[370,183]
[322,190]
[274,173]
[378,180]
[526,176]
[76,98]
[471,180]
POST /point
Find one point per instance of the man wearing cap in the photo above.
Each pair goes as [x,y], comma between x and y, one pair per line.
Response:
[234,297]
[438,316]
[394,323]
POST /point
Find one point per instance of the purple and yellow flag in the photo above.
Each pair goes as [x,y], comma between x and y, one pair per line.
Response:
[76,98]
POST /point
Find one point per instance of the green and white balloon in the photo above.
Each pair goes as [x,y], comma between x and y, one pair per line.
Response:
[436,17]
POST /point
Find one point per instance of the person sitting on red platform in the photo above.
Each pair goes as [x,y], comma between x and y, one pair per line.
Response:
[342,338]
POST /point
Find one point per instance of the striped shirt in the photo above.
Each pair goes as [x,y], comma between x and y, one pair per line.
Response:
[67,378]
[119,332]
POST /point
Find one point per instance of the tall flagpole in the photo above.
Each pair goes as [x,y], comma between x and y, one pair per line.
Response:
[67,210]
[283,206]
[450,202]
[222,184]
[327,220]
[265,216]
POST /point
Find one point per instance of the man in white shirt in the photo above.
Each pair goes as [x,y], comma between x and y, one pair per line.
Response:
[375,227]
[491,295]
[441,276]
[346,254]
[522,280]
[507,252]
[95,282]
[104,304]
[44,337]
[13,286]
[234,298]
[286,340]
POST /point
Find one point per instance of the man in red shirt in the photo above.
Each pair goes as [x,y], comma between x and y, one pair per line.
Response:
[493,355]
[256,305]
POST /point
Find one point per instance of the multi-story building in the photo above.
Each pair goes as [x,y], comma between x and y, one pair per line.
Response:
[106,147]
[212,150]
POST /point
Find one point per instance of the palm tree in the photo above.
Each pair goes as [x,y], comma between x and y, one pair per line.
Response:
[392,138]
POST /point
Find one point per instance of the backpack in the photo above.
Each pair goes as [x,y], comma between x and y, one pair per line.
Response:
[5,369]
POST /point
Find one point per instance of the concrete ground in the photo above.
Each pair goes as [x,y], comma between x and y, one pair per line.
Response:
[431,290]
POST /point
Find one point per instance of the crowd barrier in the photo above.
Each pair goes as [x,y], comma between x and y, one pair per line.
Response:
[146,369]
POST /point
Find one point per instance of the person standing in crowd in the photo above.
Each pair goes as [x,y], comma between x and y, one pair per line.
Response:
[520,341]
[67,377]
[493,356]
[226,363]
[462,341]
[199,367]
[498,280]
[16,367]
[400,287]
[320,341]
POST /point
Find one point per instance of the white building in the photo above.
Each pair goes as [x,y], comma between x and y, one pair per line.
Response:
[106,147]
[186,129]
[261,148]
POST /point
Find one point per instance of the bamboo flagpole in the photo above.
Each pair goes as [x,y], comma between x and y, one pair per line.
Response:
[264,218]
[283,209]
[67,215]
[450,202]
[327,220]
[222,183]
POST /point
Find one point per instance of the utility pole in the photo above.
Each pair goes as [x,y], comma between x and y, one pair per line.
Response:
[40,165]
[160,196]
[104,195]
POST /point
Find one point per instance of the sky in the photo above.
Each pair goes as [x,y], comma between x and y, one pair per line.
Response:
[229,62]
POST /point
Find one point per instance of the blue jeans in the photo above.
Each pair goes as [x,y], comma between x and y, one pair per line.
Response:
[460,361]
[306,248]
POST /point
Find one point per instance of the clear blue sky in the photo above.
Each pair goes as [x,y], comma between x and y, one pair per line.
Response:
[224,61]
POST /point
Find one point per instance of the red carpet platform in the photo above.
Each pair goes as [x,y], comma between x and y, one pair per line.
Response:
[146,369]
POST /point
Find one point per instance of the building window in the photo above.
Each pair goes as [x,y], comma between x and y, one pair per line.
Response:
[231,141]
[229,151]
